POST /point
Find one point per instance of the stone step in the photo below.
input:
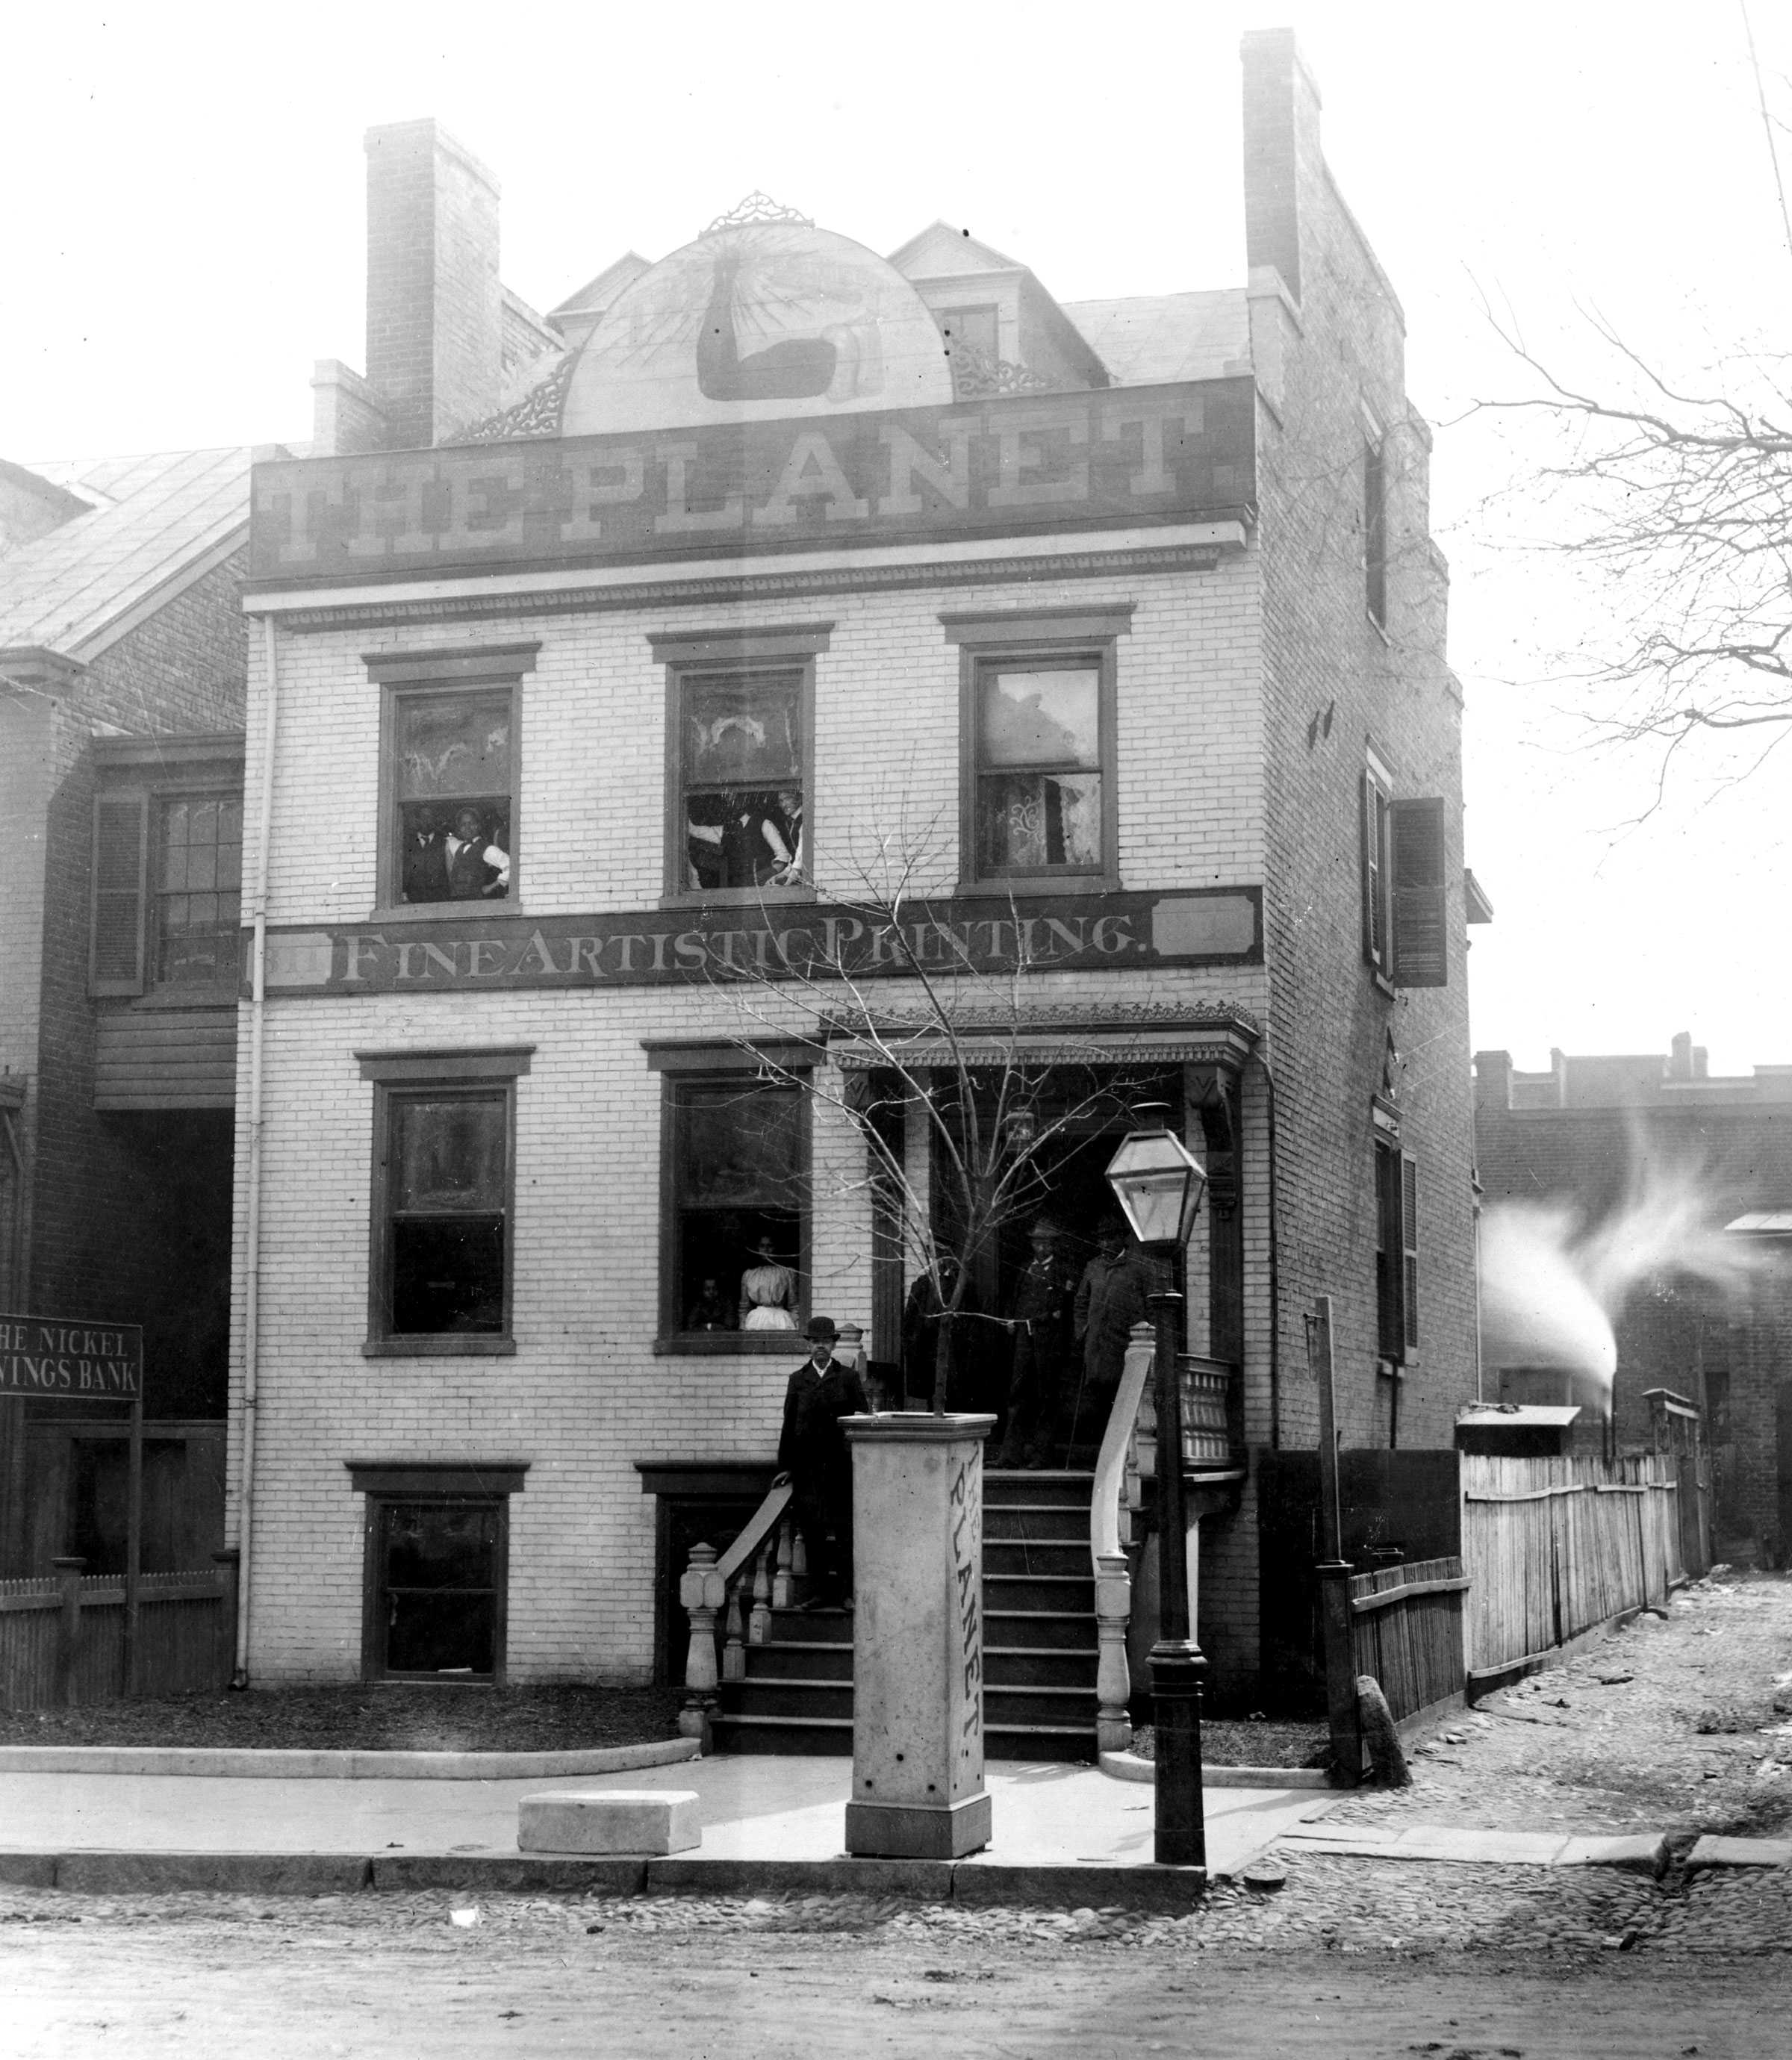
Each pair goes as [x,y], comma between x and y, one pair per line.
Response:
[1014,1629]
[768,1696]
[832,1737]
[1063,1521]
[1061,1595]
[1072,1709]
[1041,1487]
[1035,1556]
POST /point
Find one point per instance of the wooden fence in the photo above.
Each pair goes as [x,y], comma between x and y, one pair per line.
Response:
[62,1637]
[1407,1630]
[1554,1546]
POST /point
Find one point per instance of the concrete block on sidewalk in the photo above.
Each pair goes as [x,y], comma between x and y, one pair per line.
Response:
[610,1820]
[1739,1853]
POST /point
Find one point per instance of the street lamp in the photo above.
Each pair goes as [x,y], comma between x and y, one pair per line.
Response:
[1158,1182]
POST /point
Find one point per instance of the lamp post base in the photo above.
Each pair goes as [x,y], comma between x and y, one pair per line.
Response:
[1176,1671]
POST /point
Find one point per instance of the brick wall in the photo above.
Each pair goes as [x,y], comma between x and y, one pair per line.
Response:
[434,303]
[1335,684]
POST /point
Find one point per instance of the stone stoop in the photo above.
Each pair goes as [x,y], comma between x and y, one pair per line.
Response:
[1039,1646]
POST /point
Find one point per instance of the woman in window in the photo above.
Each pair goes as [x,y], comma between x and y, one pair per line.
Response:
[767,1293]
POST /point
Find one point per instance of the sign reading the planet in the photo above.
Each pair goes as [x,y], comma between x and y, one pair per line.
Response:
[755,322]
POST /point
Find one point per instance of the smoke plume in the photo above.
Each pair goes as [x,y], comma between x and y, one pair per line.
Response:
[1553,1284]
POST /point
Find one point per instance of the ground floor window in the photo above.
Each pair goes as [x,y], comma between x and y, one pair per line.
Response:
[734,1257]
[437,1572]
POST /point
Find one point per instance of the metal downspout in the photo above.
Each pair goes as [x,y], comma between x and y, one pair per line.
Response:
[252,1241]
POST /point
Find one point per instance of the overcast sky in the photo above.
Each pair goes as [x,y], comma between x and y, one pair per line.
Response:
[184,237]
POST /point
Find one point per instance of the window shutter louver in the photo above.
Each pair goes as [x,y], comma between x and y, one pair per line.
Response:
[1409,1242]
[1421,935]
[120,821]
[1391,1329]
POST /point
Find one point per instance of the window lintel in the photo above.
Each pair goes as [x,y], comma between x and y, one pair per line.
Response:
[451,667]
[436,1477]
[1038,625]
[443,1068]
[732,645]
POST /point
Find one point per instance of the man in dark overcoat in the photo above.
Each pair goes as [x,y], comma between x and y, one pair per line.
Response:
[814,1457]
[1113,1295]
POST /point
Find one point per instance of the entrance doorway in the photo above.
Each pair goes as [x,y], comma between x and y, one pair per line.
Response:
[1087,1112]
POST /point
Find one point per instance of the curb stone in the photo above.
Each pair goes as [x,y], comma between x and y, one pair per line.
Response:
[283,1764]
[979,1884]
[1715,1852]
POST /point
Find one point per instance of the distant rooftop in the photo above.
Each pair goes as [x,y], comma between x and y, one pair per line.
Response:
[1679,1078]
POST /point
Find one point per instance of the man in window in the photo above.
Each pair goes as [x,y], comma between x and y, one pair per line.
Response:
[814,1457]
[477,868]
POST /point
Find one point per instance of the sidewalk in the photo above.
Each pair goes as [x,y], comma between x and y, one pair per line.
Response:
[769,1825]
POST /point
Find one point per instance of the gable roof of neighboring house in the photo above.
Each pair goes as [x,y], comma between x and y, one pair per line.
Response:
[154,524]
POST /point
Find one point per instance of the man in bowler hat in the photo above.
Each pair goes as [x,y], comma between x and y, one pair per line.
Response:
[813,1456]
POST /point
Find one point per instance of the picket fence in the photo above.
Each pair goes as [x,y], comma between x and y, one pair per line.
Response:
[62,1637]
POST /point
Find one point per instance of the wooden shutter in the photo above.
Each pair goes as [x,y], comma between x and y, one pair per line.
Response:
[1391,1328]
[121,823]
[1409,1247]
[1421,935]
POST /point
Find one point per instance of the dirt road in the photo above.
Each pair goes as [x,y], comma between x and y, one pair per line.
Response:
[295,1985]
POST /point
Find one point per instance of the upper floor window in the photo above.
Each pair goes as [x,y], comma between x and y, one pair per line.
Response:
[167,868]
[978,328]
[739,722]
[1038,746]
[450,795]
[198,897]
[741,779]
[1378,868]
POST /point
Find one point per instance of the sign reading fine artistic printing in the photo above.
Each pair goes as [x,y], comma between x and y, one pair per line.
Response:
[74,1360]
[1120,457]
[1212,927]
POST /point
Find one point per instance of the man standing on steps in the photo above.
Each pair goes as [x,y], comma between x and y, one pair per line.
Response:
[813,1456]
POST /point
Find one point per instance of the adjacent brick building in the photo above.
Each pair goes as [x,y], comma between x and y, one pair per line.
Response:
[1118,623]
[123,649]
[1588,1133]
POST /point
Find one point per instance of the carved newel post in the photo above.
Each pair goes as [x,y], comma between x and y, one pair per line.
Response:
[917,1637]
[702,1590]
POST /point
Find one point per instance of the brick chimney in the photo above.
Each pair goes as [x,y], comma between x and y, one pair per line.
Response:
[434,305]
[1680,1057]
[1281,133]
[1493,1079]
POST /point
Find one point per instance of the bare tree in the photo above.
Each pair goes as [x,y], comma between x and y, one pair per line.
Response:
[1678,502]
[953,1052]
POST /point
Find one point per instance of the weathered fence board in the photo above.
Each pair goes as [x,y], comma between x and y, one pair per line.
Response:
[186,1622]
[1407,1630]
[1555,1546]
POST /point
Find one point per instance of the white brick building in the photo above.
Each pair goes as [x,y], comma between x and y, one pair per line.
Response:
[1112,618]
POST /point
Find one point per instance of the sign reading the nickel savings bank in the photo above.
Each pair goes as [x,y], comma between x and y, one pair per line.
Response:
[764,941]
[1119,456]
[73,1359]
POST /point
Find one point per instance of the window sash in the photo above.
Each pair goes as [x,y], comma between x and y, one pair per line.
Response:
[428,775]
[196,899]
[421,1609]
[441,1248]
[712,1232]
[739,765]
[1043,807]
